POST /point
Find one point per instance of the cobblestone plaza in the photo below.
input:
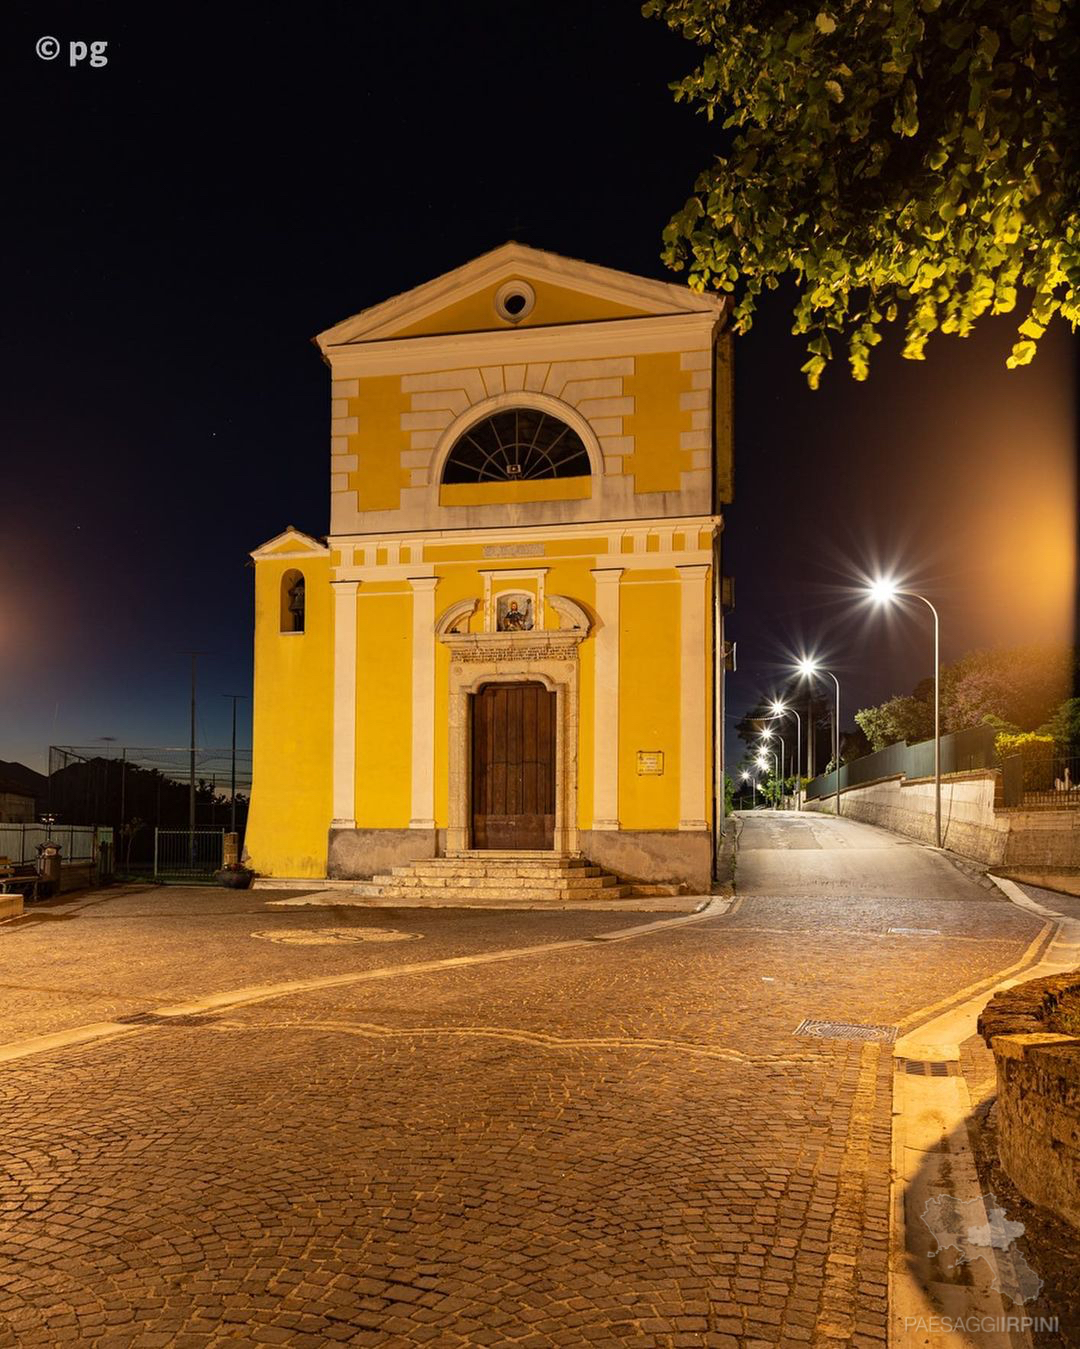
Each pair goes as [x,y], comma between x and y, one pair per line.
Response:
[456,1127]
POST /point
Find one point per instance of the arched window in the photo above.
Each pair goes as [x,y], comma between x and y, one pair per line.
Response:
[292,602]
[517,445]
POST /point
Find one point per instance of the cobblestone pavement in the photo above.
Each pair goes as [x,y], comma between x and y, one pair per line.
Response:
[611,1143]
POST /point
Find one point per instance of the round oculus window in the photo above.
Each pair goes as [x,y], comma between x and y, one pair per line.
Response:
[514,300]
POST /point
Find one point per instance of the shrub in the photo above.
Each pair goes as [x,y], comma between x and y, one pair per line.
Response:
[1037,752]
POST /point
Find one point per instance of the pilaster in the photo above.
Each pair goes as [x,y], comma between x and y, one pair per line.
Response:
[606,700]
[344,781]
[423,702]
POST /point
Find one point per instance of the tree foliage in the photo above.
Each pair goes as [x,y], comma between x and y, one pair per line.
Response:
[911,159]
[1064,726]
[898,719]
[1018,689]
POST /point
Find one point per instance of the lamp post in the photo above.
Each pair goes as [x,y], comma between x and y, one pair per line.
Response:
[881,592]
[753,785]
[809,667]
[763,762]
[779,710]
[765,735]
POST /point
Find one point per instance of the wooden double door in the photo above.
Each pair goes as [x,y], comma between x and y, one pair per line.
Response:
[513,766]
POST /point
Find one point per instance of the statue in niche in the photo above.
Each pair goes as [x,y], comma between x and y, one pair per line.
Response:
[296,604]
[514,614]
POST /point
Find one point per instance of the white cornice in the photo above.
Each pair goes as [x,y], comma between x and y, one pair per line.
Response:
[524,533]
[514,259]
[576,341]
[303,546]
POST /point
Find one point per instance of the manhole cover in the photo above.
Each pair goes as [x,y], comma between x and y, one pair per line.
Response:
[334,936]
[844,1030]
[916,931]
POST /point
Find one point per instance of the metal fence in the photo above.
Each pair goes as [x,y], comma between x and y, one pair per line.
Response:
[18,842]
[188,855]
[961,752]
[1056,783]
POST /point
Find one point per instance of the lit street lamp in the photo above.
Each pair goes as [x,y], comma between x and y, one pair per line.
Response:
[881,592]
[809,667]
[765,735]
[780,709]
[753,783]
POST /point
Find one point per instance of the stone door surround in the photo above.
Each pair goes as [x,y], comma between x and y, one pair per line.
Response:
[546,657]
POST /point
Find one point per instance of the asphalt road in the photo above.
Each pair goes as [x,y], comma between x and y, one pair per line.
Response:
[474,1128]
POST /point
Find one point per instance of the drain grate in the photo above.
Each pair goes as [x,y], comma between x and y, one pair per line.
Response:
[916,931]
[844,1030]
[928,1068]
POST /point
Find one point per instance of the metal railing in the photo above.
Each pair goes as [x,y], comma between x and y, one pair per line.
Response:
[1056,782]
[961,752]
[188,854]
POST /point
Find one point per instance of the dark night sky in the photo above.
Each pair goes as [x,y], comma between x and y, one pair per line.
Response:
[180,222]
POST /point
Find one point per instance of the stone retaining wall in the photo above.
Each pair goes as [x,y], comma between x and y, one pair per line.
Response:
[1038,1089]
[1023,840]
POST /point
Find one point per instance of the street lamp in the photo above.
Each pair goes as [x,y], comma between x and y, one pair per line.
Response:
[882,591]
[779,709]
[753,784]
[765,735]
[809,667]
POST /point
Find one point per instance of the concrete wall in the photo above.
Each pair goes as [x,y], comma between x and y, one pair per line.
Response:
[971,826]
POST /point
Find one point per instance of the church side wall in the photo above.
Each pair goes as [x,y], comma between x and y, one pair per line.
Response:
[292,724]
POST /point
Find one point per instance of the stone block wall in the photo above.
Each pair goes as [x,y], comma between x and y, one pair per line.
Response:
[970,825]
[1016,840]
[1038,1086]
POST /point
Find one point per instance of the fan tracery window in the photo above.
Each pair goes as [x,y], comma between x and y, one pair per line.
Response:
[517,445]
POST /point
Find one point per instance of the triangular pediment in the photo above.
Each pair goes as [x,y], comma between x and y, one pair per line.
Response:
[565,291]
[292,542]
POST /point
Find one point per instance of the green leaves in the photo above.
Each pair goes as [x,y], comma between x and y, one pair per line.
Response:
[909,161]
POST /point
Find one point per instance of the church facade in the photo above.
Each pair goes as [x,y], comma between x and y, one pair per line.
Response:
[511,638]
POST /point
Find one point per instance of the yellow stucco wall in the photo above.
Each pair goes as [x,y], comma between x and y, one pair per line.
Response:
[649,699]
[657,422]
[292,726]
[383,706]
[378,443]
[292,806]
[554,304]
[494,493]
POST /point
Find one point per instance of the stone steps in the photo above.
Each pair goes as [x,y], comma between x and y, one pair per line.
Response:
[488,878]
[443,875]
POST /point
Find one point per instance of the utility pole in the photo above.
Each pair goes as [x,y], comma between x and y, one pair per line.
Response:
[191,765]
[232,784]
[191,757]
[811,735]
